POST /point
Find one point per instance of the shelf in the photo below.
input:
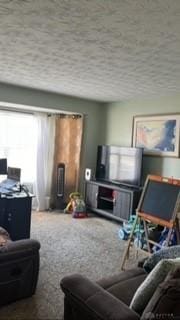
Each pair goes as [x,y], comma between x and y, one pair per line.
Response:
[106,199]
[105,211]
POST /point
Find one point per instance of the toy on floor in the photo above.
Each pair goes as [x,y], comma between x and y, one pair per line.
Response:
[125,230]
[139,232]
[76,205]
[139,238]
[72,196]
[163,239]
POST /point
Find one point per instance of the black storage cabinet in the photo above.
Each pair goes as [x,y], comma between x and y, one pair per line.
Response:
[15,216]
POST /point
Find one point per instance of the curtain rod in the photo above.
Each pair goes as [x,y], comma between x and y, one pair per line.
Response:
[67,115]
[7,106]
[63,115]
[16,111]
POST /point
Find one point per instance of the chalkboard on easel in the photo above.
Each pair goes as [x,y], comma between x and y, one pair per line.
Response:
[159,204]
[160,198]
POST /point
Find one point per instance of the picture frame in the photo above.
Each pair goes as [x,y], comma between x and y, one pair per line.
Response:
[159,135]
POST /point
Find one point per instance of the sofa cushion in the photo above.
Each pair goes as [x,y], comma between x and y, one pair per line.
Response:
[108,282]
[165,300]
[148,287]
[165,253]
[126,289]
[124,284]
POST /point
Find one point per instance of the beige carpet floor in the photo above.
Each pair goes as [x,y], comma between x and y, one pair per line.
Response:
[88,246]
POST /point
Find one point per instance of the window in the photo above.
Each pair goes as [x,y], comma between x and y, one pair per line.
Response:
[18,141]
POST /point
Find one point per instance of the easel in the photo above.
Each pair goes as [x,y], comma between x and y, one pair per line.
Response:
[170,220]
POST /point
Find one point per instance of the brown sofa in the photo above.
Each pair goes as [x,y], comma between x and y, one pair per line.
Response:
[109,299]
[19,268]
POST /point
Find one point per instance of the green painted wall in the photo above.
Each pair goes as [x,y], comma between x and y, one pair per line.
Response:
[94,118]
[104,123]
[119,129]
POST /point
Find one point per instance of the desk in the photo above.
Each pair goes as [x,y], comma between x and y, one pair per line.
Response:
[15,215]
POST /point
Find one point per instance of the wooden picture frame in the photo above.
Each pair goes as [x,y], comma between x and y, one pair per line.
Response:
[159,135]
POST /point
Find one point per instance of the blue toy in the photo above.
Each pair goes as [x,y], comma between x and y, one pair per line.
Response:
[139,238]
[125,230]
[163,239]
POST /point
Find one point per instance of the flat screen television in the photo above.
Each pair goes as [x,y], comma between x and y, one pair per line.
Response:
[119,165]
[3,166]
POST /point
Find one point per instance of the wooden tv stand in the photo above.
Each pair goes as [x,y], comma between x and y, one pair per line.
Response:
[110,200]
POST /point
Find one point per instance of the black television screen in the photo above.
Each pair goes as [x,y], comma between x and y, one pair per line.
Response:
[3,166]
[122,165]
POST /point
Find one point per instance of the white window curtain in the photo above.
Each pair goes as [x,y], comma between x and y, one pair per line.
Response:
[44,159]
[27,141]
[18,143]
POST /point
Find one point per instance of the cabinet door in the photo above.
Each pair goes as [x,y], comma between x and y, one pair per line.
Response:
[18,215]
[3,213]
[122,204]
[91,195]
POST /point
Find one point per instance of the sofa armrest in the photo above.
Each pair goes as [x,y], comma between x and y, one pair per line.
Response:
[92,300]
[18,249]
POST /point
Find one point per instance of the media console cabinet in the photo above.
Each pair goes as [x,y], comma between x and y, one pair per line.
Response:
[116,202]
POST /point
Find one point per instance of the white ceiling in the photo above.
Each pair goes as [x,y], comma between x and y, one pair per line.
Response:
[105,50]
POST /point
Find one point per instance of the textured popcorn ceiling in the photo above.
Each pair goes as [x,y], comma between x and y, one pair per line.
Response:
[105,50]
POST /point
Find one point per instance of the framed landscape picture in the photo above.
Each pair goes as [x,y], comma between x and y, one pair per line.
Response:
[157,134]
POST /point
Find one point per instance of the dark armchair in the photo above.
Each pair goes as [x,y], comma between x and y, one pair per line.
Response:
[19,268]
[107,299]
[110,298]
